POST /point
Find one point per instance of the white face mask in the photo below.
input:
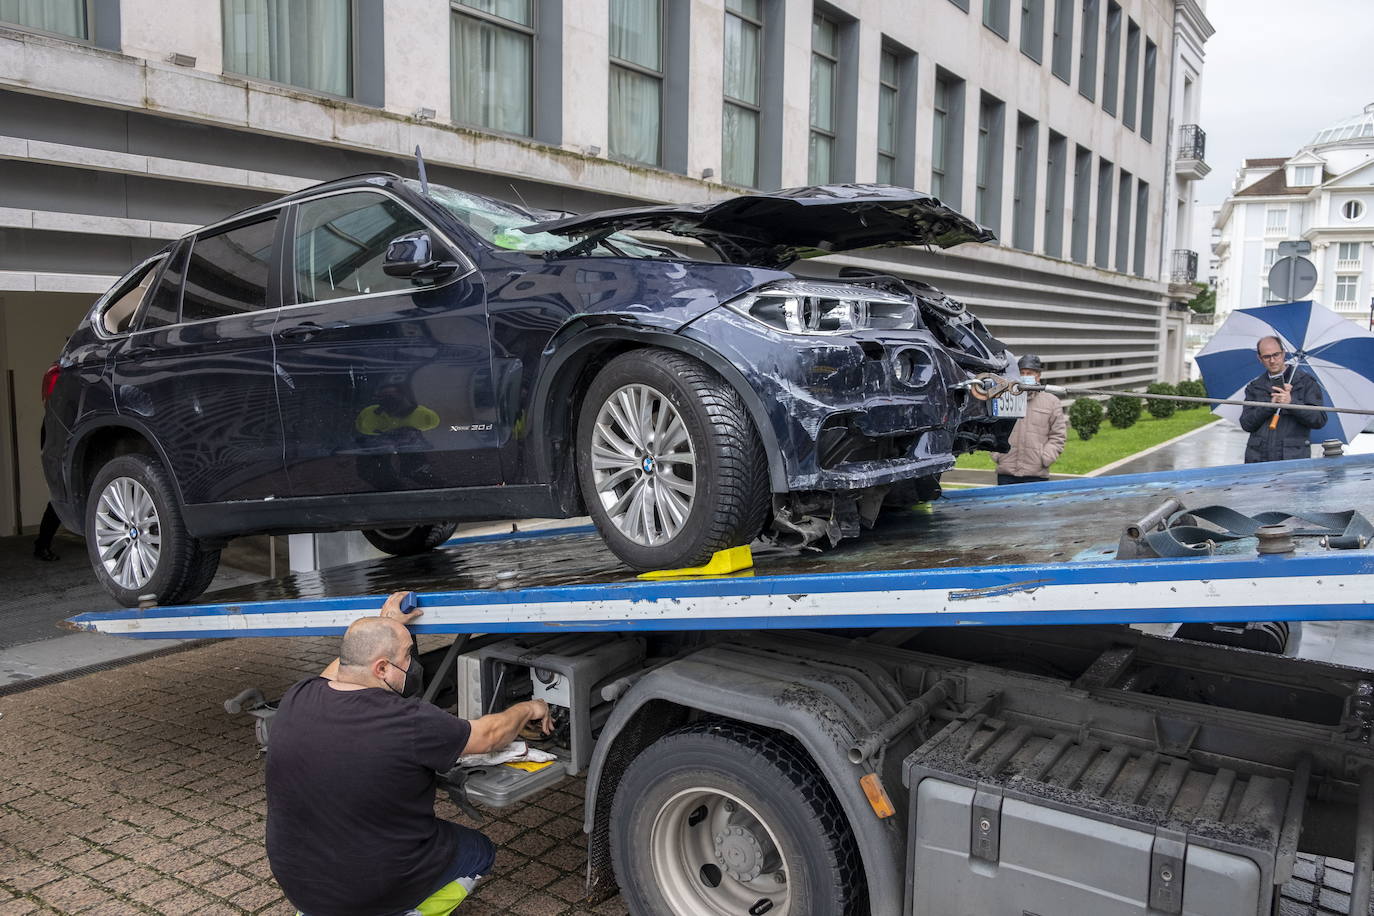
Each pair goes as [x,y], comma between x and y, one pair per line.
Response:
[1029,380]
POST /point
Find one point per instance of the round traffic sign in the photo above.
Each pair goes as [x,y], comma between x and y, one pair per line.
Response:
[1292,278]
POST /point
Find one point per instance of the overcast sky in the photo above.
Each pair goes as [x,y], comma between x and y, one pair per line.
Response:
[1276,72]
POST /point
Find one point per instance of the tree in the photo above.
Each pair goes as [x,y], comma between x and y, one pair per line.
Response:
[1205,302]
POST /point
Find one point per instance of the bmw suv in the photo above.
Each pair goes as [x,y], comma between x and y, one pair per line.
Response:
[385,354]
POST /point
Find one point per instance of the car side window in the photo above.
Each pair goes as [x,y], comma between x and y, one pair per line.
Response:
[164,304]
[341,243]
[227,272]
[118,316]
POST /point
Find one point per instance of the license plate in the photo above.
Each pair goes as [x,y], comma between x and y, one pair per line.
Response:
[1009,405]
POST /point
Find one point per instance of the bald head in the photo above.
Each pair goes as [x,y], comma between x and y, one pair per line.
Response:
[1259,344]
[371,638]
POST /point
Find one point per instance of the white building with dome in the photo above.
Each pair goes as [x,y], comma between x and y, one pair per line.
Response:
[1324,194]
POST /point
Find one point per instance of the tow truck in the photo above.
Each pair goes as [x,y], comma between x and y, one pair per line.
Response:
[950,715]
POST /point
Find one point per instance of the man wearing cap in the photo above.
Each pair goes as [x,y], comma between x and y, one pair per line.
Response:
[1277,434]
[1038,438]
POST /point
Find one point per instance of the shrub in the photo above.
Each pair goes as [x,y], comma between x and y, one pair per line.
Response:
[1085,416]
[1123,411]
[1192,389]
[1161,410]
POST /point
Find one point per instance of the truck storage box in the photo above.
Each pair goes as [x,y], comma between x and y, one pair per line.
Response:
[1013,820]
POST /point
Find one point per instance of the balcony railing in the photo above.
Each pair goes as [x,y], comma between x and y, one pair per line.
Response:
[1184,266]
[1348,265]
[1192,142]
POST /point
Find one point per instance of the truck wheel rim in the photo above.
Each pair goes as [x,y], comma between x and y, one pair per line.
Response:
[643,465]
[128,532]
[713,854]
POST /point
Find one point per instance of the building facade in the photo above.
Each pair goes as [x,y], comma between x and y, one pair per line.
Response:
[1322,194]
[1057,123]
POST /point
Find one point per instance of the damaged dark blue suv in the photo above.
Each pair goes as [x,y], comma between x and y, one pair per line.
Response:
[374,353]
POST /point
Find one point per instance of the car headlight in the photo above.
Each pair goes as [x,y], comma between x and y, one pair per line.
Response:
[817,307]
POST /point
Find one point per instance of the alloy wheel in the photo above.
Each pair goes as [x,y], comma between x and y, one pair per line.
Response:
[712,853]
[643,465]
[128,532]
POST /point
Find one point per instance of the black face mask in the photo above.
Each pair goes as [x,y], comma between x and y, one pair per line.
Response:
[415,680]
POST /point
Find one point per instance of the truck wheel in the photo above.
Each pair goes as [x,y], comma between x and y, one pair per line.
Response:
[136,539]
[404,542]
[721,820]
[668,462]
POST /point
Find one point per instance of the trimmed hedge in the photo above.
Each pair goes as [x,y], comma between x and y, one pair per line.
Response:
[1123,411]
[1192,389]
[1085,416]
[1161,409]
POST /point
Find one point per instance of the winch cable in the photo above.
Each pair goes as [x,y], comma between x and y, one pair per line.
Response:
[985,387]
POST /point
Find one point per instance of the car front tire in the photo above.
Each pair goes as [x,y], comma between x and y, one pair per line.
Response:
[136,538]
[669,465]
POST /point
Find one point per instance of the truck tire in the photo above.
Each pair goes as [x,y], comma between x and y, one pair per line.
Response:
[405,542]
[135,536]
[718,819]
[669,465]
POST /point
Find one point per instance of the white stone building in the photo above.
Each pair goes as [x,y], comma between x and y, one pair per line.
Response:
[124,123]
[1323,194]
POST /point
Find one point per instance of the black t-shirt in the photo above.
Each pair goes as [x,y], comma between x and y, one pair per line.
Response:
[351,774]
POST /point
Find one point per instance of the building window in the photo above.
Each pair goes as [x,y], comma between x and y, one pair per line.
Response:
[1061,47]
[1346,288]
[1142,215]
[1082,203]
[1276,221]
[1033,29]
[962,4]
[304,43]
[1132,74]
[1348,255]
[987,201]
[60,17]
[1147,93]
[1304,176]
[636,96]
[1023,190]
[491,49]
[1124,186]
[1102,249]
[997,16]
[825,51]
[1111,62]
[947,139]
[888,92]
[743,95]
[1087,51]
[1056,158]
[1270,256]
[1352,210]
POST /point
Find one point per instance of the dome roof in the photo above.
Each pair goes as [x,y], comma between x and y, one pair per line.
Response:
[1355,127]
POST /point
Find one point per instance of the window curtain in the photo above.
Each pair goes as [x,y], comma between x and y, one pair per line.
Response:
[492,70]
[635,32]
[306,43]
[741,135]
[635,110]
[65,17]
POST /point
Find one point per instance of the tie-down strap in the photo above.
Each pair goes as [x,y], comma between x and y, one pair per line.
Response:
[1172,531]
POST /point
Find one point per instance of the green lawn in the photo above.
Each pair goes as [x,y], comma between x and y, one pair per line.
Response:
[1110,443]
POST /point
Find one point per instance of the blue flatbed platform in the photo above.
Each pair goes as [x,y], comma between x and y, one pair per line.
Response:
[1030,554]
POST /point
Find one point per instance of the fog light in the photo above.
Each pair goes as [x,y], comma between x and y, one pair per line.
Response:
[912,367]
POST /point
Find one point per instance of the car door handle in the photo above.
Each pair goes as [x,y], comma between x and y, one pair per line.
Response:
[139,352]
[303,331]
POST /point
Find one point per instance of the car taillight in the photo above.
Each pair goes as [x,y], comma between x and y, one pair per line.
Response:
[50,380]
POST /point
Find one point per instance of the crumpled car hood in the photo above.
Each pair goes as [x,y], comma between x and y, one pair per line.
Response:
[773,230]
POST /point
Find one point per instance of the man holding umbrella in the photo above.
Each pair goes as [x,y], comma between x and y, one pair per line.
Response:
[1277,434]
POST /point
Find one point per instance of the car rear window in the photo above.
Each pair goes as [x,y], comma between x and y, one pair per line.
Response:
[118,316]
[227,272]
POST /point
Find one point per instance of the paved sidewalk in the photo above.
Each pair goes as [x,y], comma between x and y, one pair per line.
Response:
[131,791]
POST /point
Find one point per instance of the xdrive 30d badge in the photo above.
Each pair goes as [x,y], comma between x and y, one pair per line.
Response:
[373,353]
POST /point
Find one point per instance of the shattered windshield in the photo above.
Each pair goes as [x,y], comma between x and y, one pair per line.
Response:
[500,224]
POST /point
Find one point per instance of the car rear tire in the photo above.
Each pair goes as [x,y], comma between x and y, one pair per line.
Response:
[136,538]
[718,819]
[406,542]
[669,465]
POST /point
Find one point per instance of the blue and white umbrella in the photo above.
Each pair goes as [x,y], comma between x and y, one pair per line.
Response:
[1335,350]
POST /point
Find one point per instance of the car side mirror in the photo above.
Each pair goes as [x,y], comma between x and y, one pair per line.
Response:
[414,255]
